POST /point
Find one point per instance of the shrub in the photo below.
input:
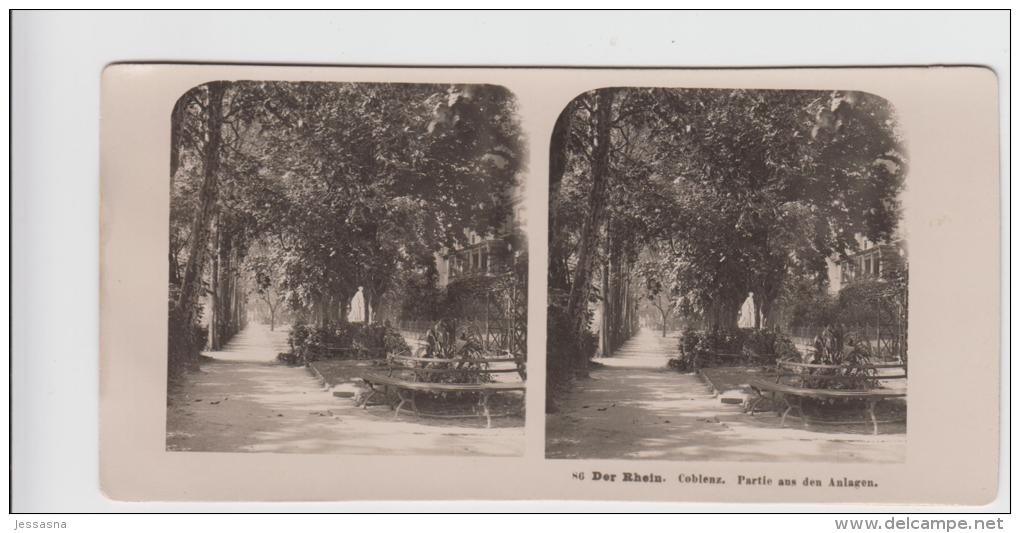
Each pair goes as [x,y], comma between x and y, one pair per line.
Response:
[288,358]
[185,341]
[731,342]
[698,349]
[786,350]
[452,339]
[766,347]
[678,364]
[862,302]
[760,343]
[565,347]
[387,339]
[809,306]
[835,346]
[344,340]
[298,338]
[701,349]
[691,351]
[200,333]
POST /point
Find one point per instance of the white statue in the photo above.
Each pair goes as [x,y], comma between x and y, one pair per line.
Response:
[357,312]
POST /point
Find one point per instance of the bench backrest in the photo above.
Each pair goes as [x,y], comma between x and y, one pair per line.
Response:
[474,369]
[743,355]
[330,350]
[815,375]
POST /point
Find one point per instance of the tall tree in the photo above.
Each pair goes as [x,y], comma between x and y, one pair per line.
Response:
[789,177]
[191,281]
[343,184]
[742,191]
[597,198]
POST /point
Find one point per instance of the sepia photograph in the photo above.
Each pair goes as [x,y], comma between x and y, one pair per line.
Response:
[511,261]
[727,277]
[347,269]
[316,275]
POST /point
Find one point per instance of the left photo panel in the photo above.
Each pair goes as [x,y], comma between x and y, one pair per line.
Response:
[347,269]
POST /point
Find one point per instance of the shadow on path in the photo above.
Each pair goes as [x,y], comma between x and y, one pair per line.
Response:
[242,400]
[644,412]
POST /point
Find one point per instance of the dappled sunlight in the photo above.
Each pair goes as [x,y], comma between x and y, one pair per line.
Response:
[647,349]
[748,222]
[643,413]
[235,406]
[255,343]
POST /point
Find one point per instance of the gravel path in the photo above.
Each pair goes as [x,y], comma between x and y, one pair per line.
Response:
[633,407]
[243,401]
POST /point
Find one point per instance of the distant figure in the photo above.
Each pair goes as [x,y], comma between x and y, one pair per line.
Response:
[357,312]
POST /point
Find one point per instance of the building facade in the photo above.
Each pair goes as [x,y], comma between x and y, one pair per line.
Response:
[485,255]
[873,261]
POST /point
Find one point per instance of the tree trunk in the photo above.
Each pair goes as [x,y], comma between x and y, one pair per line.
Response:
[628,305]
[370,298]
[617,311]
[770,313]
[320,309]
[559,278]
[723,314]
[221,286]
[609,296]
[237,295]
[176,135]
[757,299]
[730,315]
[606,313]
[214,292]
[175,269]
[342,307]
[184,310]
[766,291]
[597,199]
[231,290]
[332,309]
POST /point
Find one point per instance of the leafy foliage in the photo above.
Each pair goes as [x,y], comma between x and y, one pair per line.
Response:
[452,340]
[322,188]
[740,191]
[343,340]
[867,302]
[835,346]
[563,347]
[184,342]
[702,349]
[767,346]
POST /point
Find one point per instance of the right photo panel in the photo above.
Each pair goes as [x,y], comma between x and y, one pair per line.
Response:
[727,277]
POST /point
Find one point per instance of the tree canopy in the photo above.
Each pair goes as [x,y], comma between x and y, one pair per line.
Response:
[341,185]
[739,191]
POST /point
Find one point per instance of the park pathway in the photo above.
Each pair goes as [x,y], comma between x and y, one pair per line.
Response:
[254,344]
[647,349]
[634,407]
[242,400]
